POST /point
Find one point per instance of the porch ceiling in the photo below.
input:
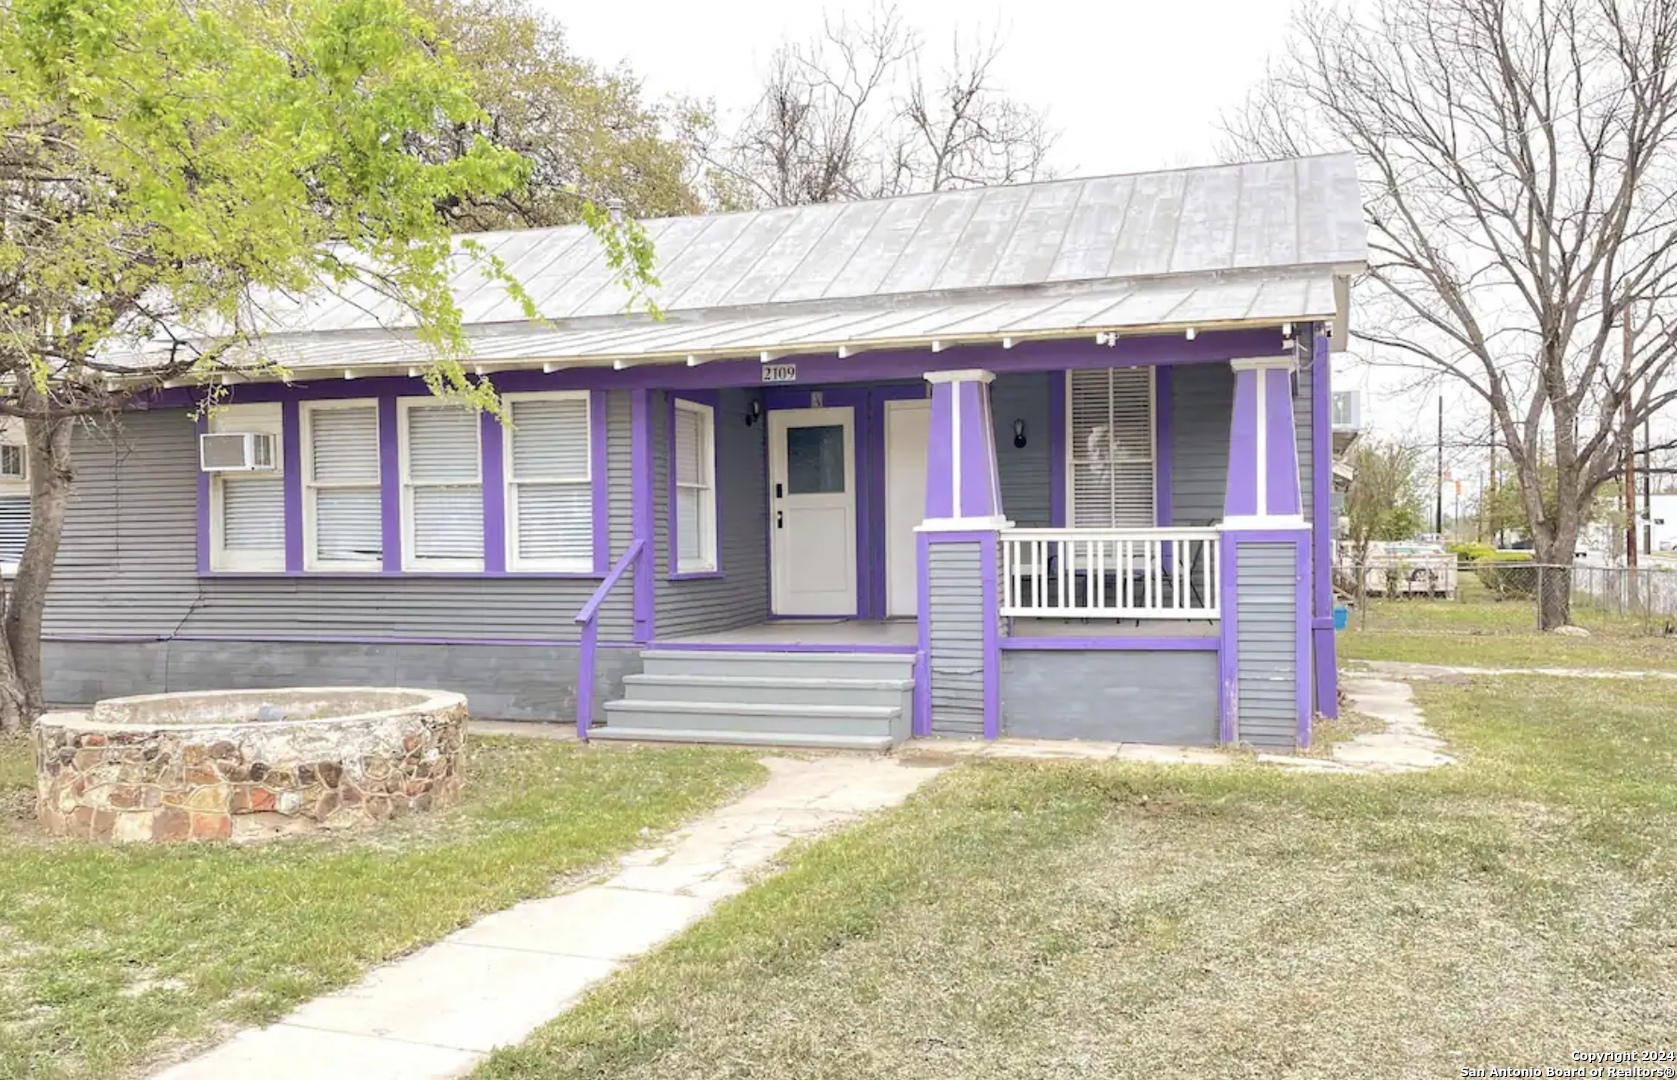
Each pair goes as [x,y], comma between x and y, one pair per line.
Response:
[1238,245]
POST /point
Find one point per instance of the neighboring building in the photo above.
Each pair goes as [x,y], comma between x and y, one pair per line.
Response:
[1034,460]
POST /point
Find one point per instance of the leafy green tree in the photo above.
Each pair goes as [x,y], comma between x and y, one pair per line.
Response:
[1385,498]
[589,137]
[167,164]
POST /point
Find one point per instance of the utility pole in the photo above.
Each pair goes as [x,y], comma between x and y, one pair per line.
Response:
[1438,510]
[1629,444]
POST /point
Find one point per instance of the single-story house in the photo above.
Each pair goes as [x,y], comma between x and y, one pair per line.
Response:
[1037,460]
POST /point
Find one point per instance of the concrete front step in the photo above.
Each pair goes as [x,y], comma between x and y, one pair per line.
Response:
[617,733]
[841,720]
[768,690]
[800,665]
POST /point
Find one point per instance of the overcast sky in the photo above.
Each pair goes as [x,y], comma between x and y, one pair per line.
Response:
[1131,86]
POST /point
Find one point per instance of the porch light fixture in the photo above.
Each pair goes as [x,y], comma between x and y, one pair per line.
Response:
[753,414]
[1019,434]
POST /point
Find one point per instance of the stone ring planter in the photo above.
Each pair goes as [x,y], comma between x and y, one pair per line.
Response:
[240,764]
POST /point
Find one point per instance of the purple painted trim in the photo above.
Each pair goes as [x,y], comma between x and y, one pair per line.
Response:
[1057,476]
[923,680]
[875,566]
[987,572]
[940,453]
[330,639]
[640,472]
[1321,446]
[203,428]
[977,450]
[701,397]
[919,722]
[599,470]
[1162,456]
[1319,622]
[390,481]
[1301,640]
[589,619]
[446,575]
[1114,644]
[1240,494]
[1228,645]
[1211,346]
[492,455]
[291,449]
[1282,466]
[774,647]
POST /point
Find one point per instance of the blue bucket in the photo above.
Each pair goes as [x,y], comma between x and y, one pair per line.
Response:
[1341,617]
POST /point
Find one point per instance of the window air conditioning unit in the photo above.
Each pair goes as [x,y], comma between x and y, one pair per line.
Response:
[243,451]
[1347,411]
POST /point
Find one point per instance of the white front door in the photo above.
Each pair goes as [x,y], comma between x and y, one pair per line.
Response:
[908,431]
[812,510]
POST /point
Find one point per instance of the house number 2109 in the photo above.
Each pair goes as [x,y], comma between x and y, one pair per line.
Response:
[780,373]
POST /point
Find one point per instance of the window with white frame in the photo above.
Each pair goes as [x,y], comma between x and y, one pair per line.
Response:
[247,509]
[14,495]
[442,486]
[343,524]
[549,480]
[1111,450]
[693,470]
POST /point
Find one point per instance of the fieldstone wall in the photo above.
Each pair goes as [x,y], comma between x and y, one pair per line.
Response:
[124,773]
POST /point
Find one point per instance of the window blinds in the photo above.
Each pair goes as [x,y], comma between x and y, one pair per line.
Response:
[252,513]
[14,527]
[695,501]
[550,498]
[344,479]
[1111,448]
[444,490]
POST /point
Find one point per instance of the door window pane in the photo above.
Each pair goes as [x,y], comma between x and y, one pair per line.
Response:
[815,460]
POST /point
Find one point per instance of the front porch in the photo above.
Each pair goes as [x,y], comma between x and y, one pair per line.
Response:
[903,635]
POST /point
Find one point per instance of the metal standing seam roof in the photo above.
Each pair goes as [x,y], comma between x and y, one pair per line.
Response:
[1229,245]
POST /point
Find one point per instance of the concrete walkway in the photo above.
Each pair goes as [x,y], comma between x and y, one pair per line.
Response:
[1406,745]
[1400,670]
[437,1012]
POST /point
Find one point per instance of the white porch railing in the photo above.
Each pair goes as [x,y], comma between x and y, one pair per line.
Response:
[1110,573]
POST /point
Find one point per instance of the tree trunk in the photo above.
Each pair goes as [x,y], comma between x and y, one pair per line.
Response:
[1556,554]
[13,714]
[49,488]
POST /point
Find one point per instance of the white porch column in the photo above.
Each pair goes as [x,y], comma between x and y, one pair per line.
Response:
[963,491]
[1263,469]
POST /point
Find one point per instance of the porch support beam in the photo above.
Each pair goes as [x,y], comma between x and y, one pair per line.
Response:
[1263,470]
[963,488]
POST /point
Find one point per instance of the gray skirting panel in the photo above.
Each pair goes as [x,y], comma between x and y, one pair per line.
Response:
[1110,696]
[501,682]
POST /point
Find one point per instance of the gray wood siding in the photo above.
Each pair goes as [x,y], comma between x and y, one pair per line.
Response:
[128,566]
[1266,576]
[955,665]
[1201,406]
[1147,697]
[1025,471]
[1306,446]
[740,597]
[617,615]
[501,682]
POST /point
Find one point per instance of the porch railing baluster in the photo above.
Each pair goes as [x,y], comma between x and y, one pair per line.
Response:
[1111,573]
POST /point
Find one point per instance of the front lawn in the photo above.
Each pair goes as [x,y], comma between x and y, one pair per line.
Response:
[1479,630]
[110,957]
[1113,921]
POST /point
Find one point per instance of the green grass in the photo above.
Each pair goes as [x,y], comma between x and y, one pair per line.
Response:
[1479,630]
[1113,921]
[110,957]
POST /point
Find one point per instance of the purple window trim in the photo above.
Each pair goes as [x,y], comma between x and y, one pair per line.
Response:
[1162,458]
[430,575]
[992,633]
[390,480]
[923,676]
[1070,353]
[202,428]
[599,472]
[1113,644]
[492,454]
[291,444]
[713,400]
[640,466]
[1057,449]
[1281,468]
[1228,647]
[1326,646]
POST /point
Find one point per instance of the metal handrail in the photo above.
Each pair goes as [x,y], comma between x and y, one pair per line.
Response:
[589,619]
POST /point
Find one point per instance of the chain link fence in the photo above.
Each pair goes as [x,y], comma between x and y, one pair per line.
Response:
[1633,600]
